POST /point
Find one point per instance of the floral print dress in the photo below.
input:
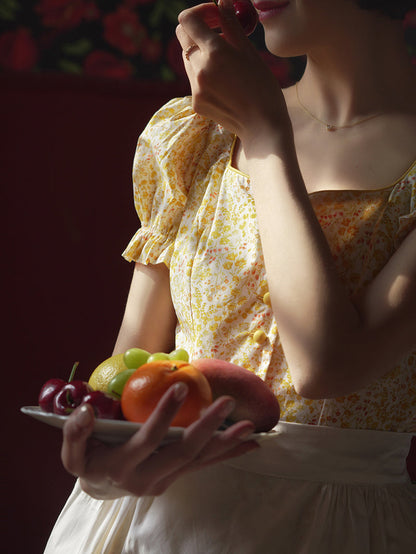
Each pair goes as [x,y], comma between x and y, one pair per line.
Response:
[198,216]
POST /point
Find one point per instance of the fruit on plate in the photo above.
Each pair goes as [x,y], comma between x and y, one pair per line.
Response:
[105,405]
[254,400]
[103,373]
[62,397]
[135,357]
[51,388]
[246,14]
[149,382]
[158,356]
[179,354]
[48,392]
[117,383]
[70,397]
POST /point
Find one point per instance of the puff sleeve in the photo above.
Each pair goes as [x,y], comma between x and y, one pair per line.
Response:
[164,164]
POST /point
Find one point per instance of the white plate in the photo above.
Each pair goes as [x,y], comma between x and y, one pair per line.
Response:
[115,431]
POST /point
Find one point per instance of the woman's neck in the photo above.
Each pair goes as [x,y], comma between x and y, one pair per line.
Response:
[358,77]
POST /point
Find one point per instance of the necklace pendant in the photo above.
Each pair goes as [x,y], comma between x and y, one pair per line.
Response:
[330,128]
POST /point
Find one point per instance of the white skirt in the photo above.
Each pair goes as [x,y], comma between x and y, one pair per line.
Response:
[307,490]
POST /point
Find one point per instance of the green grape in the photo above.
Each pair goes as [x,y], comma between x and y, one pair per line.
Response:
[158,356]
[116,385]
[135,357]
[179,354]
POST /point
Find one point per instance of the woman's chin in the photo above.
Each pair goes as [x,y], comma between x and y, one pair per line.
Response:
[282,48]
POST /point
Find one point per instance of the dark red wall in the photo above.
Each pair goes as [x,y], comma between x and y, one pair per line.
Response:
[66,153]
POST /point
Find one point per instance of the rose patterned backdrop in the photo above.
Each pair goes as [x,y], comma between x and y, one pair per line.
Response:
[118,39]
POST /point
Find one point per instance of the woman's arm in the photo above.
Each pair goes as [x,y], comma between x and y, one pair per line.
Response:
[149,318]
[334,344]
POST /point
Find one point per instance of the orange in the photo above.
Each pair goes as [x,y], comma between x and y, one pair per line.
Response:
[149,382]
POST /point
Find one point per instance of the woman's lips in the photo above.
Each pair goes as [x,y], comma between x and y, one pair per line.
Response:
[268,9]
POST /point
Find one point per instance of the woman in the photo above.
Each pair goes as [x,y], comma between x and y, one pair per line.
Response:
[308,195]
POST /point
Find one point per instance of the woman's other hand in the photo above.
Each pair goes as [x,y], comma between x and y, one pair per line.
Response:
[230,82]
[142,466]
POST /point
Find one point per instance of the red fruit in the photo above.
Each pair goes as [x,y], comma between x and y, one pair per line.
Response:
[105,406]
[70,397]
[244,10]
[48,392]
[246,14]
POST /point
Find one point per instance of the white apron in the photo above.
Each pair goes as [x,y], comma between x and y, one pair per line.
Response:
[307,490]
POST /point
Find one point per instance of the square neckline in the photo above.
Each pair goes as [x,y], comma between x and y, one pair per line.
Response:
[402,177]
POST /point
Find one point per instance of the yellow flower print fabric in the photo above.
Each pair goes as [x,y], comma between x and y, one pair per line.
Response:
[198,217]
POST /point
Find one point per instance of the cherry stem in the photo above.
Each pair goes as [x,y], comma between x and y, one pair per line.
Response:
[74,368]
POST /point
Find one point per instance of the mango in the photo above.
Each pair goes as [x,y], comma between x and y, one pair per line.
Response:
[254,400]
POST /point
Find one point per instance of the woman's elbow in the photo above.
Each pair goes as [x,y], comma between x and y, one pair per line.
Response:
[310,389]
[322,381]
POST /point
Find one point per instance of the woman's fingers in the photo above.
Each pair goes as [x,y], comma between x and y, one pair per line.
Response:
[80,458]
[219,448]
[198,23]
[137,468]
[198,445]
[199,433]
[222,445]
[202,25]
[141,466]
[145,441]
[76,432]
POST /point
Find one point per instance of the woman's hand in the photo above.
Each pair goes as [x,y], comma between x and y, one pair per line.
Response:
[230,82]
[141,466]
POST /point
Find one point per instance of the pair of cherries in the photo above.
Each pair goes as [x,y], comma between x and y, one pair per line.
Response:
[62,397]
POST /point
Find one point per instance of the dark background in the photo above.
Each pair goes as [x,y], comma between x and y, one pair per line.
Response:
[67,216]
[76,88]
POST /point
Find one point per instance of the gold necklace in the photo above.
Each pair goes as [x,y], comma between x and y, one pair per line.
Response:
[329,126]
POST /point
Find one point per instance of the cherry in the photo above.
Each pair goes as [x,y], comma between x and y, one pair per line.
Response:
[48,392]
[105,406]
[70,397]
[62,397]
[247,15]
[51,388]
[244,10]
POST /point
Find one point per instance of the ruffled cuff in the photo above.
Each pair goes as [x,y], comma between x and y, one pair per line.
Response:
[149,247]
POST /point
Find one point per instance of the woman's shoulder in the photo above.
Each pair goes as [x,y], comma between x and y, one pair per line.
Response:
[177,140]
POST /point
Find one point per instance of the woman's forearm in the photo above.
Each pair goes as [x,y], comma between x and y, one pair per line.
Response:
[315,316]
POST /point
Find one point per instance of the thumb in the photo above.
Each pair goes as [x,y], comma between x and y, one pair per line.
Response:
[76,432]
